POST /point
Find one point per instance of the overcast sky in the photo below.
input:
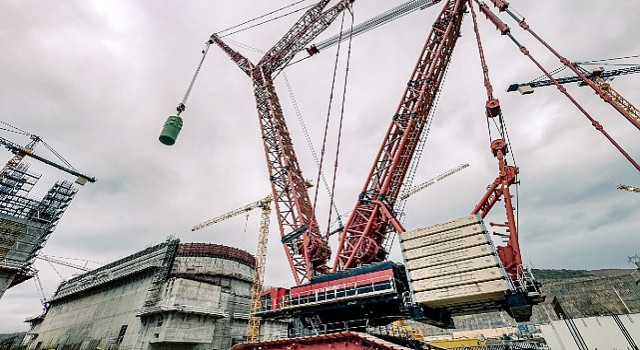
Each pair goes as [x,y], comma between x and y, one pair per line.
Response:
[97,79]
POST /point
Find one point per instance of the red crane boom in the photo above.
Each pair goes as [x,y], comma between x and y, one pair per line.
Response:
[363,238]
[306,248]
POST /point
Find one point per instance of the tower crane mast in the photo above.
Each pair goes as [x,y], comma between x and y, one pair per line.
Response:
[366,230]
[253,326]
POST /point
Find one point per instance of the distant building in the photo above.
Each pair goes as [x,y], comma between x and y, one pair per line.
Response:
[172,295]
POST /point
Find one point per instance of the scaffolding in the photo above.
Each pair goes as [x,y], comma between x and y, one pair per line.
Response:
[26,222]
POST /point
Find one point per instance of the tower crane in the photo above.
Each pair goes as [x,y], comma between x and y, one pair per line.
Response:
[28,151]
[417,188]
[629,188]
[253,327]
[599,77]
[503,6]
[62,262]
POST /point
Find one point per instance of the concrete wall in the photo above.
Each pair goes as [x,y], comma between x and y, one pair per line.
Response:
[201,303]
[95,320]
[600,333]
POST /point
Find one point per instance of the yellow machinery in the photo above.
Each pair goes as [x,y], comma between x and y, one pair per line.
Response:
[253,329]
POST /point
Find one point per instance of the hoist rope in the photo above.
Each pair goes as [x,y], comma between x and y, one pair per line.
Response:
[305,132]
[500,124]
[246,223]
[183,105]
[608,59]
[328,118]
[19,131]
[339,136]
[267,21]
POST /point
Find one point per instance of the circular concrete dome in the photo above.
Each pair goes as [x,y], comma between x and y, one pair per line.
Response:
[216,251]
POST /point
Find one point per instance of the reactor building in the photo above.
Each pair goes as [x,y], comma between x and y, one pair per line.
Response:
[169,296]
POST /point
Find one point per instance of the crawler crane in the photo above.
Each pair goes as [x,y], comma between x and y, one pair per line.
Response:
[362,287]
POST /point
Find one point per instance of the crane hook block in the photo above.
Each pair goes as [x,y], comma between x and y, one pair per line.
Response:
[170,131]
[493,108]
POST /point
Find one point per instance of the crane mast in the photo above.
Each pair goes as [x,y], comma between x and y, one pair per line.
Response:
[253,324]
[306,248]
[363,238]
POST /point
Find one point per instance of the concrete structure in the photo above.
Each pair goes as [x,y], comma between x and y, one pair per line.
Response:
[586,294]
[602,333]
[25,222]
[169,296]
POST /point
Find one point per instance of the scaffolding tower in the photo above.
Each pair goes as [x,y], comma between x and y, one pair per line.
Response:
[26,222]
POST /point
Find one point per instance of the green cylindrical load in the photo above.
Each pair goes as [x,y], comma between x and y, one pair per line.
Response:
[171,129]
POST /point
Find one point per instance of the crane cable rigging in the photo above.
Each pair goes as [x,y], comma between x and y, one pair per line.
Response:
[183,104]
[508,174]
[263,16]
[328,119]
[372,23]
[20,152]
[37,139]
[505,30]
